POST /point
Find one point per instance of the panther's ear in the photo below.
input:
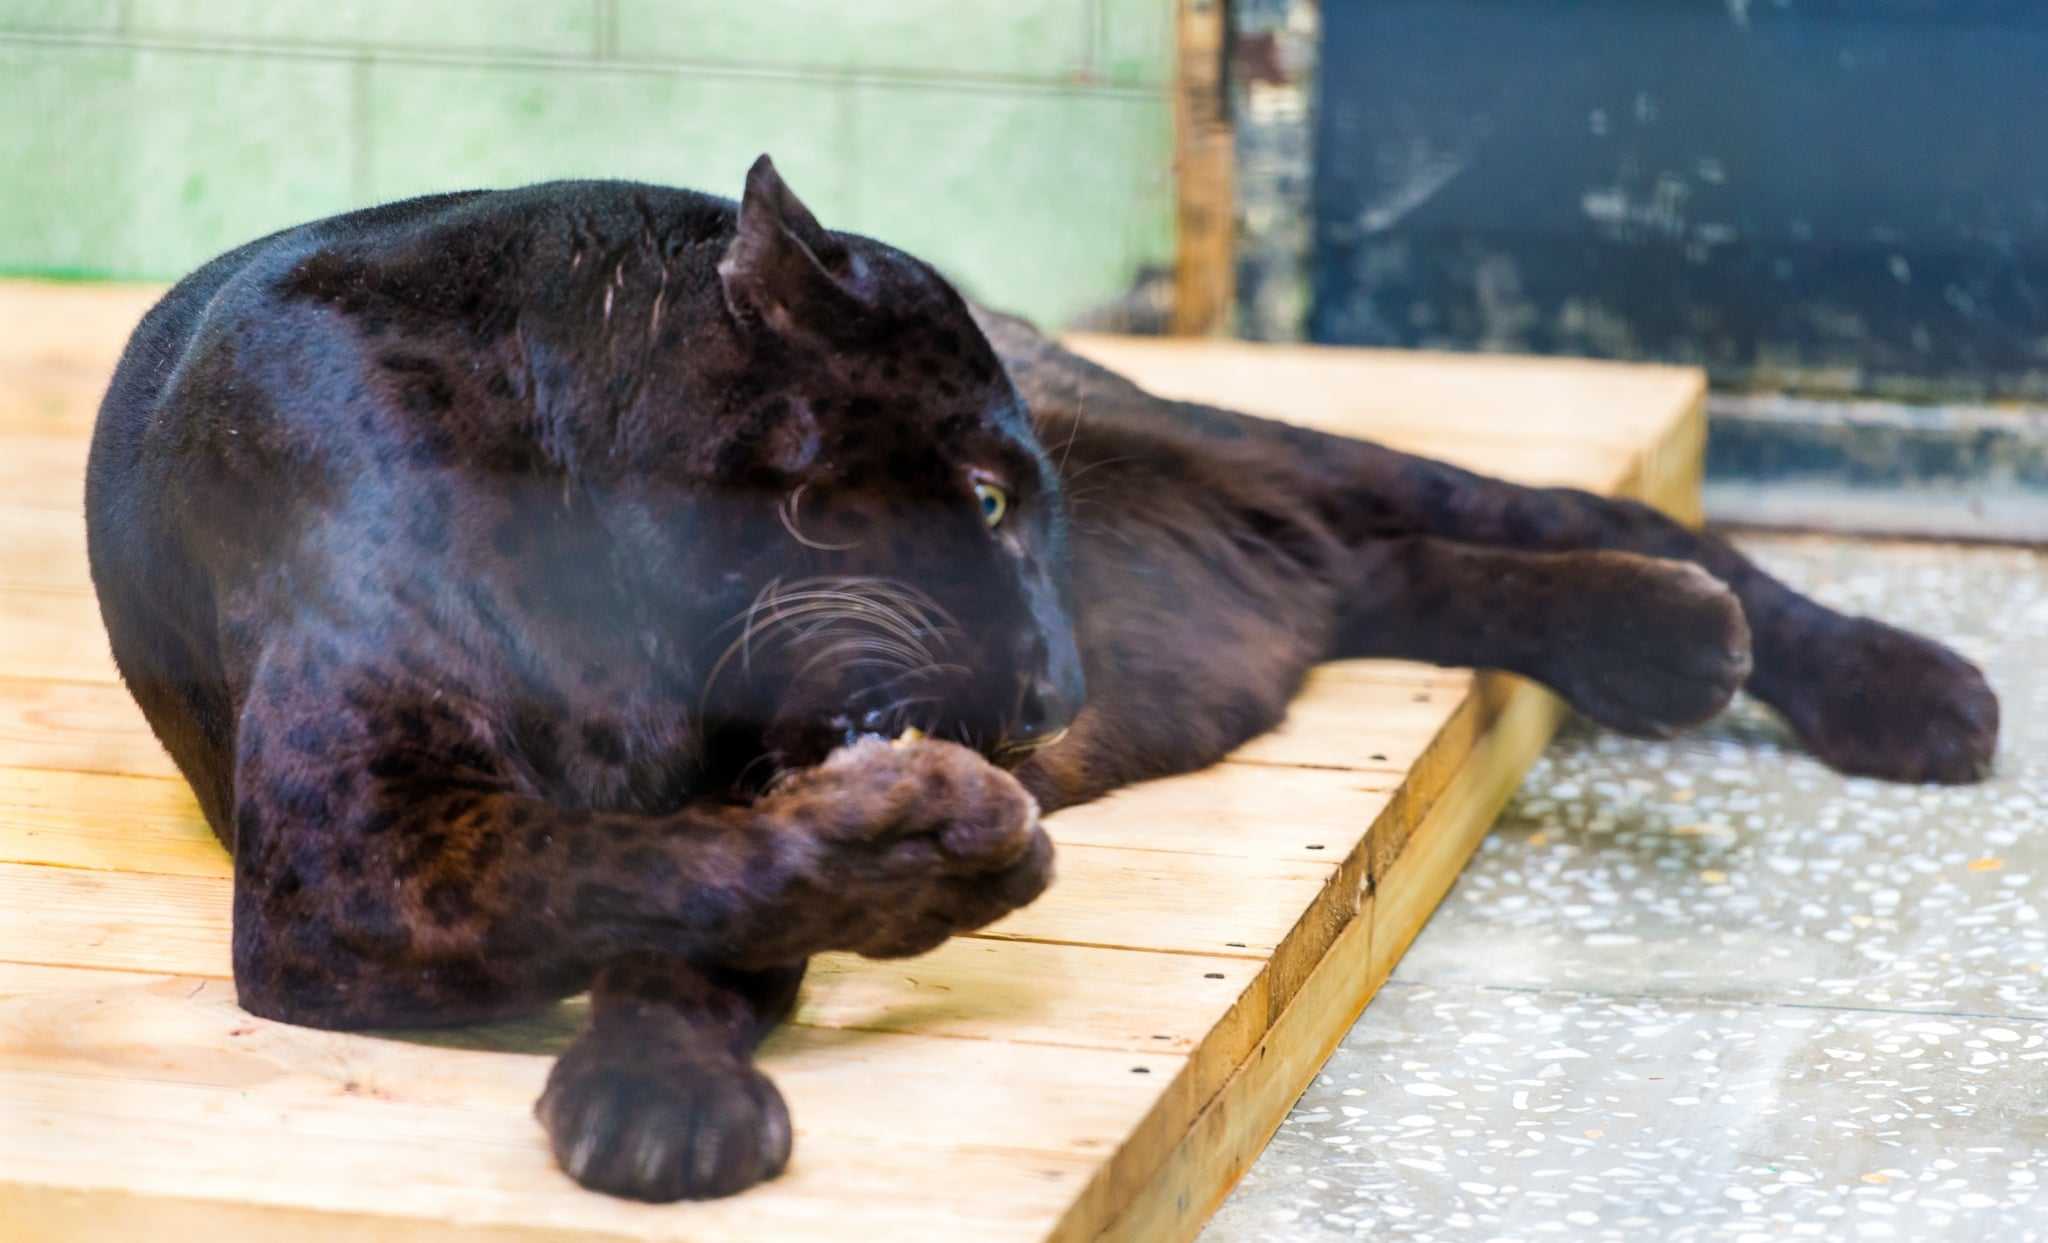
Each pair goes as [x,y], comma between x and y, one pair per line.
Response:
[783,269]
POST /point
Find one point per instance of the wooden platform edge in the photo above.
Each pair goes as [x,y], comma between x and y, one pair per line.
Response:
[1407,877]
[1230,1132]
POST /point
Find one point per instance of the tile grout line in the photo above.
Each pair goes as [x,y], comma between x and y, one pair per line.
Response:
[360,125]
[1091,56]
[517,59]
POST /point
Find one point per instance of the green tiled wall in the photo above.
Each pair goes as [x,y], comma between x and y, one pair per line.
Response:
[1023,145]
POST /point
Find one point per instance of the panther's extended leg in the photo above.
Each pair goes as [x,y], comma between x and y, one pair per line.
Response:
[1643,645]
[1866,697]
[1210,580]
[1229,549]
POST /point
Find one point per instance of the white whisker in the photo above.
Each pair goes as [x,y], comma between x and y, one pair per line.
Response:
[787,511]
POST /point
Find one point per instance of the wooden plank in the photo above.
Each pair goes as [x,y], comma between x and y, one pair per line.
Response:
[47,550]
[1107,1059]
[1229,811]
[1345,724]
[53,401]
[89,1159]
[94,820]
[69,325]
[121,921]
[1177,903]
[1360,392]
[980,989]
[91,727]
[44,472]
[1549,421]
[54,635]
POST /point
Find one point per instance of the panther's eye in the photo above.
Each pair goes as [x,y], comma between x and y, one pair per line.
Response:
[994,503]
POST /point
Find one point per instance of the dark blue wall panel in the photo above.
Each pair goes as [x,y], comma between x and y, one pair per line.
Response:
[1831,195]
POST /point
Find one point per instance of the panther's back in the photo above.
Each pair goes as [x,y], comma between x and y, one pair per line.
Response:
[156,599]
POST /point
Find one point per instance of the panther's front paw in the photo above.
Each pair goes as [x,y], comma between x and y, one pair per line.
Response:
[901,847]
[1876,701]
[1655,646]
[673,1131]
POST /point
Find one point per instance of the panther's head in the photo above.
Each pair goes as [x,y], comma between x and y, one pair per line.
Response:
[898,556]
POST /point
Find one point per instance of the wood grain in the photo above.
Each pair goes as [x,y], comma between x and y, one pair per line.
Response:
[1101,1064]
[91,727]
[1551,421]
[54,635]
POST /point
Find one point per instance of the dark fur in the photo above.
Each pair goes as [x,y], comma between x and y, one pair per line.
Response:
[507,572]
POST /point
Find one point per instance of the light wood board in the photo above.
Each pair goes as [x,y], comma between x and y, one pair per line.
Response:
[1102,1064]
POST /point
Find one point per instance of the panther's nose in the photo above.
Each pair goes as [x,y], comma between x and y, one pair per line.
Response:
[1043,713]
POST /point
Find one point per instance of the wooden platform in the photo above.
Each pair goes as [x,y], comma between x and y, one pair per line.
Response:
[1103,1064]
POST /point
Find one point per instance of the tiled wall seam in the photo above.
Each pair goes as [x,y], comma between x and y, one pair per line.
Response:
[1091,84]
[407,55]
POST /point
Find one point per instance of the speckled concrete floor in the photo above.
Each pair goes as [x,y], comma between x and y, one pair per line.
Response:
[1709,990]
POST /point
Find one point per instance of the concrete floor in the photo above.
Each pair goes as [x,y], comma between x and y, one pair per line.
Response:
[1708,989]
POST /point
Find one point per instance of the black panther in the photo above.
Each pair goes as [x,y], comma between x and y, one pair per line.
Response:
[602,586]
